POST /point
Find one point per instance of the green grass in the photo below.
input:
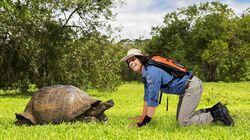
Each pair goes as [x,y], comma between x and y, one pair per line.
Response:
[128,102]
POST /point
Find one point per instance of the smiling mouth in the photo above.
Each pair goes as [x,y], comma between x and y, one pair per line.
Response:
[133,66]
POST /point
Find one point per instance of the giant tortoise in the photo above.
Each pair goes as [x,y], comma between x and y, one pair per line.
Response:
[62,103]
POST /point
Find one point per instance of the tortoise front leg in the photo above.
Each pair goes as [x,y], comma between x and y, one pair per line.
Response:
[86,119]
[103,117]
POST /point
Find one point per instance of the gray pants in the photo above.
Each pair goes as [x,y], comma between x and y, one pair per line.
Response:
[188,102]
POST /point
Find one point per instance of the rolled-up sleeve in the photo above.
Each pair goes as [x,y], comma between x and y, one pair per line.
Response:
[152,88]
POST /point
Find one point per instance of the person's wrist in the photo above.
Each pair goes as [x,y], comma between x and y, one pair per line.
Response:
[145,121]
[139,124]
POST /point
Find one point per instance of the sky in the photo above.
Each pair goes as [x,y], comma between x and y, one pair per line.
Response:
[137,17]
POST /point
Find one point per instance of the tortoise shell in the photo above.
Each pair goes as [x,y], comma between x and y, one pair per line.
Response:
[55,104]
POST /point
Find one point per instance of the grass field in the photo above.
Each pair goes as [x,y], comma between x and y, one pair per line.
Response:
[128,102]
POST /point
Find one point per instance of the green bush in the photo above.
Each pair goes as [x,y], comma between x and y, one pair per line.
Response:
[92,63]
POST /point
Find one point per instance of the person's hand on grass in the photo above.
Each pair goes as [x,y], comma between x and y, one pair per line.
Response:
[136,118]
[132,125]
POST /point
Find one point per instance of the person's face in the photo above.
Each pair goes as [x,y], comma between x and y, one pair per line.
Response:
[135,64]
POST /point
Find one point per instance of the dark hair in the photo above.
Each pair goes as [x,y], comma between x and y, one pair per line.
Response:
[142,59]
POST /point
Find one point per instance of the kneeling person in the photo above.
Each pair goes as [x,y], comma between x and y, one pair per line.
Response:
[189,88]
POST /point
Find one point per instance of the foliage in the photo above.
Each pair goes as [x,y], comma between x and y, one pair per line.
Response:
[208,37]
[128,102]
[92,63]
[37,37]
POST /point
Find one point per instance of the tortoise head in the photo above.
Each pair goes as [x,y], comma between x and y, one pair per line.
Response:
[98,110]
[108,104]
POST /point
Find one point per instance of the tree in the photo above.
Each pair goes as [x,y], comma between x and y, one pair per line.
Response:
[237,63]
[206,37]
[92,62]
[35,37]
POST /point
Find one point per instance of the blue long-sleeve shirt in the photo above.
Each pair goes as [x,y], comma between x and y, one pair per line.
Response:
[156,79]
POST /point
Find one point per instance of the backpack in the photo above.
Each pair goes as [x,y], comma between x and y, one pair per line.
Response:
[168,65]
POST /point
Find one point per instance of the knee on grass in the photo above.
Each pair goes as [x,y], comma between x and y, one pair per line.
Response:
[183,122]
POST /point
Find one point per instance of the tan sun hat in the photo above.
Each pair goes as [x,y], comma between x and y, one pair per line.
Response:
[131,53]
